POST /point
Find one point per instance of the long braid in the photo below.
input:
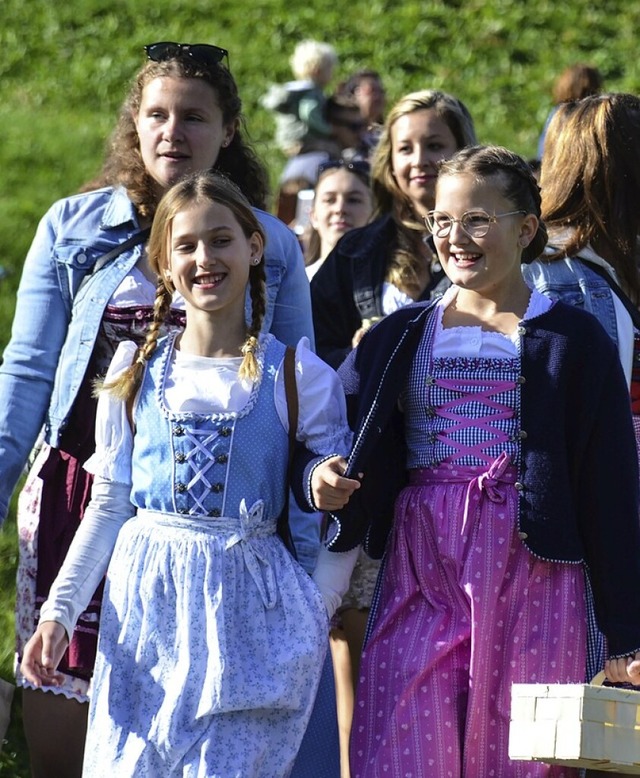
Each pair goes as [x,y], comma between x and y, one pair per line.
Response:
[257,290]
[127,384]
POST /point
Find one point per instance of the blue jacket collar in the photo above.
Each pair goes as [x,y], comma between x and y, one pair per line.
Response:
[119,210]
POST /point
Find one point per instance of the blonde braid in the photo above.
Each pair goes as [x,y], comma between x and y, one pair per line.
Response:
[127,384]
[257,289]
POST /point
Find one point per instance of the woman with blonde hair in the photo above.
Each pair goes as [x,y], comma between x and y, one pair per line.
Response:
[391,262]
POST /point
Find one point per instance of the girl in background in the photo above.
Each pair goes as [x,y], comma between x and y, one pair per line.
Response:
[342,201]
[212,637]
[590,184]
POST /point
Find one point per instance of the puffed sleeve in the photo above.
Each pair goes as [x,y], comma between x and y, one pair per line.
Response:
[114,438]
[322,415]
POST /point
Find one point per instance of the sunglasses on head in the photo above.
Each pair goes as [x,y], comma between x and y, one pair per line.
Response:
[358,166]
[203,53]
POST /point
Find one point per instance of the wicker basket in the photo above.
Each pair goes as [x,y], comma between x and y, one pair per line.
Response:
[577,725]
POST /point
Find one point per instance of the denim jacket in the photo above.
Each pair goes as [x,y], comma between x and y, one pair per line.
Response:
[573,282]
[56,322]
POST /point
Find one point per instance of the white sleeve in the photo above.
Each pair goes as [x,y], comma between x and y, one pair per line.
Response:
[114,439]
[332,575]
[322,417]
[89,554]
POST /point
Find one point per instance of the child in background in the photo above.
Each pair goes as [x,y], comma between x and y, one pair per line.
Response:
[301,125]
[494,434]
[212,637]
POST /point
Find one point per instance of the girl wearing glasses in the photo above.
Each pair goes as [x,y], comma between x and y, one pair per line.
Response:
[494,435]
[391,261]
[182,115]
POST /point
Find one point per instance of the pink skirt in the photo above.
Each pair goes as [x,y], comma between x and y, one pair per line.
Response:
[465,611]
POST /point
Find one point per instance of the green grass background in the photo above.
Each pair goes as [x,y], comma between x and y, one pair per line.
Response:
[65,67]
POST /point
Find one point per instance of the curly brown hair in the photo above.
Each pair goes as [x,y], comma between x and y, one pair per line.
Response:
[123,165]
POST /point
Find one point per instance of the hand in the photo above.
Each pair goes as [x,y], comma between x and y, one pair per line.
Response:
[358,335]
[367,324]
[624,670]
[329,488]
[43,653]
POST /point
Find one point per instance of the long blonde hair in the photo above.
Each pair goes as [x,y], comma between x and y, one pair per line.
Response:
[405,264]
[196,188]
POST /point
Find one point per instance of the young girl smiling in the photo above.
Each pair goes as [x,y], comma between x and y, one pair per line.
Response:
[205,666]
[494,427]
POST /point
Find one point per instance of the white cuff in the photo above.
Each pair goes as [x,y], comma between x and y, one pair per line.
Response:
[333,574]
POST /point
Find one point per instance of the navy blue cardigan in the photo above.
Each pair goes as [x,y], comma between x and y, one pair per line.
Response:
[578,479]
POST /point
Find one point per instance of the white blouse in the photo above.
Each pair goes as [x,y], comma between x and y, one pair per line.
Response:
[211,385]
[472,341]
[197,384]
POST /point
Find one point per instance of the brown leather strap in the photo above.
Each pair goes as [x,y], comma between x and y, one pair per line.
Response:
[291,394]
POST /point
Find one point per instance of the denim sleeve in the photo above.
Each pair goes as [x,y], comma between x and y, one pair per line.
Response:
[30,360]
[287,284]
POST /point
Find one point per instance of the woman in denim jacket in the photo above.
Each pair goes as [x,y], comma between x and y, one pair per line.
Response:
[590,190]
[183,114]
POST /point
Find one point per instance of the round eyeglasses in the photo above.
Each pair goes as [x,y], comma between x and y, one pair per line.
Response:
[475,223]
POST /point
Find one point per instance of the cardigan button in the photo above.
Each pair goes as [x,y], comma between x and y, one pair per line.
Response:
[521,379]
[523,435]
[519,486]
[523,535]
[521,330]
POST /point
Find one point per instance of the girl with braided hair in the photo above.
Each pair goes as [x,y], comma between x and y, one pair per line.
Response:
[494,434]
[212,637]
[85,287]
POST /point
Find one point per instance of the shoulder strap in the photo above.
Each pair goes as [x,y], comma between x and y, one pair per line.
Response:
[291,394]
[624,299]
[134,240]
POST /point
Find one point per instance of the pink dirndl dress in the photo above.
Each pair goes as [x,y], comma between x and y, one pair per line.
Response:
[464,609]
